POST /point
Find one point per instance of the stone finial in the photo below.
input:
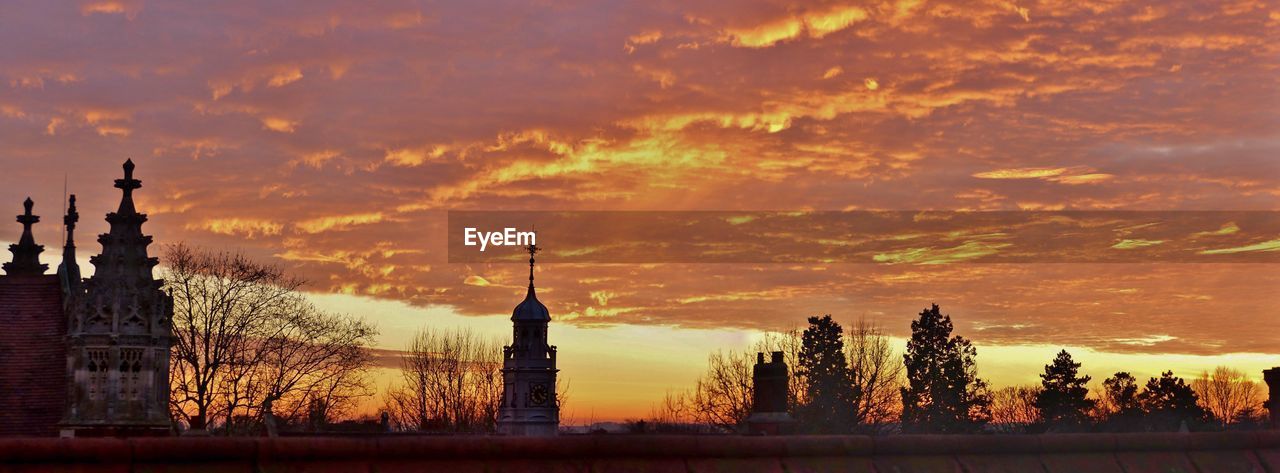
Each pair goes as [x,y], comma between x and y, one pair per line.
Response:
[26,253]
[127,185]
[69,221]
[69,270]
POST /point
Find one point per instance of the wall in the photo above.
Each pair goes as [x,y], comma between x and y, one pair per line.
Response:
[1128,453]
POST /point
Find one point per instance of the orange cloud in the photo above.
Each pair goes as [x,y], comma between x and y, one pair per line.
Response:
[248,228]
[337,222]
[812,24]
[127,7]
[280,125]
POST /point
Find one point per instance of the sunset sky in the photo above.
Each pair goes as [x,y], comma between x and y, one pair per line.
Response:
[334,137]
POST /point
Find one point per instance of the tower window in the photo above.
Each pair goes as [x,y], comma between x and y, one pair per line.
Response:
[97,368]
[131,374]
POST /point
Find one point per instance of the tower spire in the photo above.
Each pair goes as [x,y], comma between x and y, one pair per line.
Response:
[532,249]
[531,309]
[124,247]
[26,253]
[69,271]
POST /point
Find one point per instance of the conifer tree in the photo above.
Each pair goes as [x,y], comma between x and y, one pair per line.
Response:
[828,388]
[1063,400]
[1169,401]
[943,392]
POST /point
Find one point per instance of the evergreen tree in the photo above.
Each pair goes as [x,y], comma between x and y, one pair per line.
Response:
[828,389]
[943,393]
[1169,401]
[1063,402]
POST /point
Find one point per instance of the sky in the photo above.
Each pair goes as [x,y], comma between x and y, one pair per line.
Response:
[334,138]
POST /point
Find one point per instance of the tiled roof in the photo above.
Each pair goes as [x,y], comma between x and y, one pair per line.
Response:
[33,355]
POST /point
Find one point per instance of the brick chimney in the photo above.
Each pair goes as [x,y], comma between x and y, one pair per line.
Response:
[769,397]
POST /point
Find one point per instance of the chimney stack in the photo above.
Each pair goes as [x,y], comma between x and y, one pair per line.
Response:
[769,397]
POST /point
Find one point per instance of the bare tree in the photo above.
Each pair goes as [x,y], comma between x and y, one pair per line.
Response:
[249,345]
[450,380]
[310,361]
[221,302]
[1013,408]
[722,396]
[562,397]
[1227,393]
[876,373]
[674,409]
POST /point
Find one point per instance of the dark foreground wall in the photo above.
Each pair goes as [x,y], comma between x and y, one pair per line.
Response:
[1124,453]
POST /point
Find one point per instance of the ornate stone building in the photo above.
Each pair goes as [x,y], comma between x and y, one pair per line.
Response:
[119,331]
[529,402]
[89,357]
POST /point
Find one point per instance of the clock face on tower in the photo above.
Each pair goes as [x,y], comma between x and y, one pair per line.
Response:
[539,394]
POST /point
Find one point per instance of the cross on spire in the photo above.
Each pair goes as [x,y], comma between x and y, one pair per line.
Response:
[128,184]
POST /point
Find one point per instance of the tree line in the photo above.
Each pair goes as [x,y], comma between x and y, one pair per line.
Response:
[850,381]
[252,355]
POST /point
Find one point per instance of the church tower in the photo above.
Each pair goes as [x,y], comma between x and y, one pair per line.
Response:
[529,402]
[119,332]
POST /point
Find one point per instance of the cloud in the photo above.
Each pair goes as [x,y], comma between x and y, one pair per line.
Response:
[967,251]
[1132,243]
[414,157]
[337,222]
[126,7]
[280,125]
[1270,245]
[1021,173]
[813,24]
[332,137]
[1071,176]
[1229,228]
[286,77]
[248,228]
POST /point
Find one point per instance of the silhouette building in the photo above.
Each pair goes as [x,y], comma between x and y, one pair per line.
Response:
[85,357]
[529,403]
[33,329]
